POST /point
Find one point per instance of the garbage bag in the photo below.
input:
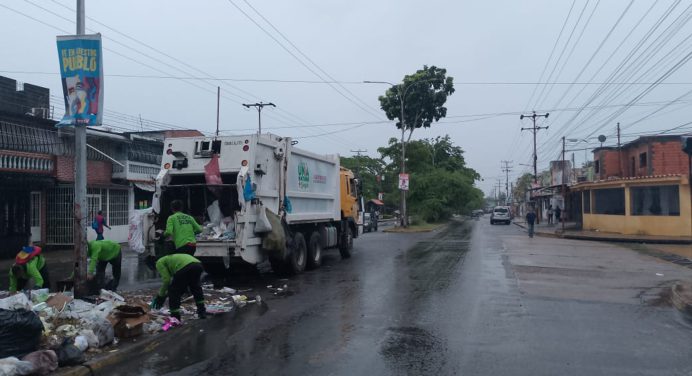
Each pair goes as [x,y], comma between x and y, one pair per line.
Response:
[13,366]
[248,192]
[69,354]
[91,338]
[275,240]
[212,175]
[44,361]
[103,330]
[20,332]
[16,301]
[135,237]
[263,224]
[214,212]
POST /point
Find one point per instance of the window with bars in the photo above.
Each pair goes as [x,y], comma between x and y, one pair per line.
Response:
[118,207]
[35,209]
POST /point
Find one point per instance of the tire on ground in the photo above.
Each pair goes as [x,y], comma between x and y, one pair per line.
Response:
[299,255]
[346,244]
[314,257]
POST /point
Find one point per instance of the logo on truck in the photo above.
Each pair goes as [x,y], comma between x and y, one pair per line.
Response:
[303,176]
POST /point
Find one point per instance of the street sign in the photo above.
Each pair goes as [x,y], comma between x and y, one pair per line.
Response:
[380,196]
[403,182]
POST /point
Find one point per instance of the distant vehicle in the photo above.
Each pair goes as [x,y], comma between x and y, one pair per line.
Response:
[501,214]
[477,213]
[369,223]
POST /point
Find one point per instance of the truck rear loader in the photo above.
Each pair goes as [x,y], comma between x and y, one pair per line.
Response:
[258,197]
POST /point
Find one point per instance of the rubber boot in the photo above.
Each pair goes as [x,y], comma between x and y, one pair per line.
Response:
[201,311]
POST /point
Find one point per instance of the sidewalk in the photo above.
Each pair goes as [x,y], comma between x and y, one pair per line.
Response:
[571,232]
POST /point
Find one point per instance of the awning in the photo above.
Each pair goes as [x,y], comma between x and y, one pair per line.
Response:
[149,187]
[377,202]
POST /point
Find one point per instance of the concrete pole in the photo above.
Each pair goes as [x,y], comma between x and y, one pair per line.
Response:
[80,190]
[404,214]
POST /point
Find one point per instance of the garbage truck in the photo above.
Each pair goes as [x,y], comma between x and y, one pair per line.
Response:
[257,197]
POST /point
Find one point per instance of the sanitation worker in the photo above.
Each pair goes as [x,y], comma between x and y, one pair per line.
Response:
[101,253]
[182,228]
[29,270]
[179,272]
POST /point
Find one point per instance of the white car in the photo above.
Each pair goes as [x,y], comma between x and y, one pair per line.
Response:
[501,214]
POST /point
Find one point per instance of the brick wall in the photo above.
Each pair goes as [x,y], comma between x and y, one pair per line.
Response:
[609,166]
[98,172]
[668,158]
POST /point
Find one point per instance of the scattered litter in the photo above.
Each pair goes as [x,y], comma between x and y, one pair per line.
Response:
[214,309]
[20,332]
[170,323]
[659,274]
[91,338]
[44,361]
[110,295]
[69,354]
[67,330]
[81,343]
[58,301]
[14,366]
[39,296]
[16,301]
[278,290]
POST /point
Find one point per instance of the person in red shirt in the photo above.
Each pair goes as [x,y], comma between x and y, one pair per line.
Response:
[100,223]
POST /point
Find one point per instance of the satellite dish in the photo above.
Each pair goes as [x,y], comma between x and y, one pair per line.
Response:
[602,138]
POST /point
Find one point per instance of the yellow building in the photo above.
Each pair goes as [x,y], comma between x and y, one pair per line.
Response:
[648,205]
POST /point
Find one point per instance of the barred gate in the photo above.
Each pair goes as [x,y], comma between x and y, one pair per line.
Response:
[59,203]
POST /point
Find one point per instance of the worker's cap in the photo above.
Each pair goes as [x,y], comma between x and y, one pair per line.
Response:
[26,254]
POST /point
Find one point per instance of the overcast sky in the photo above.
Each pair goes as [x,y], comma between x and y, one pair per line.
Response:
[496,51]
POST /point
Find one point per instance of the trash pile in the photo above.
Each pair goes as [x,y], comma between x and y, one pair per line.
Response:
[42,331]
[219,227]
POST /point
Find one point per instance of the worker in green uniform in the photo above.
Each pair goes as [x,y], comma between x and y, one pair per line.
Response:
[179,272]
[182,228]
[29,270]
[101,253]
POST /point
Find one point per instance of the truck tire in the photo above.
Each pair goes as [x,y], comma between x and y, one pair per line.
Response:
[346,243]
[314,251]
[298,258]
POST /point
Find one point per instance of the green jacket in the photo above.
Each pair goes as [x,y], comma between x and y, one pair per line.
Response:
[101,250]
[183,229]
[167,266]
[33,270]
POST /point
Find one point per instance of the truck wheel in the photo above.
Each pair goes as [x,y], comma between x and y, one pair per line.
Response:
[346,244]
[298,257]
[314,251]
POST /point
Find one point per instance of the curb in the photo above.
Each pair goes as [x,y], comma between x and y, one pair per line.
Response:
[540,233]
[107,359]
[681,300]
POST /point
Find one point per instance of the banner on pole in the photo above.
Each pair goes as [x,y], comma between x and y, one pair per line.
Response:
[81,71]
[403,182]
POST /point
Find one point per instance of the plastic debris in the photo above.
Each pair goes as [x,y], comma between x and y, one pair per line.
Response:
[659,274]
[39,296]
[17,301]
[14,366]
[81,343]
[20,332]
[110,295]
[91,338]
[69,354]
[44,361]
[170,323]
[67,330]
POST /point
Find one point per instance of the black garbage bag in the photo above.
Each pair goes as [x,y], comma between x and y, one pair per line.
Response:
[20,332]
[69,354]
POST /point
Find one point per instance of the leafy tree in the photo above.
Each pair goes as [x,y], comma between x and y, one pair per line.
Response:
[424,94]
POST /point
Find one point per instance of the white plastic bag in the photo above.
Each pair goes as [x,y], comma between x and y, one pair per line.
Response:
[135,237]
[14,366]
[214,212]
[263,224]
[17,301]
[91,338]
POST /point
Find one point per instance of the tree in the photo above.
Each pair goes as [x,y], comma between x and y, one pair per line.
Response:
[416,102]
[367,170]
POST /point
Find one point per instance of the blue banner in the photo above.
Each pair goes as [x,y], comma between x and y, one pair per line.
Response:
[81,70]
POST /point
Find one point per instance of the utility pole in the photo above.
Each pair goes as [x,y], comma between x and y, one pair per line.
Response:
[563,188]
[218,107]
[80,189]
[619,152]
[358,160]
[506,168]
[498,189]
[534,129]
[259,107]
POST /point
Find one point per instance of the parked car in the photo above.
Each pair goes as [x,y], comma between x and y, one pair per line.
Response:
[369,222]
[501,214]
[477,213]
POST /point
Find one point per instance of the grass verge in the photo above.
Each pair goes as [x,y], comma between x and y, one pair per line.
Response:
[422,227]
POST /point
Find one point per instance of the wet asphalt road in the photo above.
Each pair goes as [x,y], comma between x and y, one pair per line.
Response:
[470,299]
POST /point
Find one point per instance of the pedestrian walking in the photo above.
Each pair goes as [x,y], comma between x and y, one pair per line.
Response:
[182,228]
[558,213]
[101,253]
[550,214]
[530,220]
[98,224]
[179,272]
[29,270]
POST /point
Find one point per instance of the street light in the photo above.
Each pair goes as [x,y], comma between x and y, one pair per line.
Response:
[402,95]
